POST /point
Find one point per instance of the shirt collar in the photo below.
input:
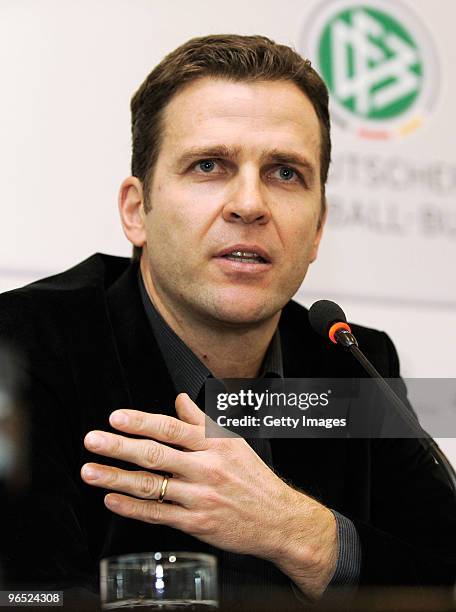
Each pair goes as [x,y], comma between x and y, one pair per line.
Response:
[187,371]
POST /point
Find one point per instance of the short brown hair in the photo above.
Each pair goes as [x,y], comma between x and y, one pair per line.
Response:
[227,56]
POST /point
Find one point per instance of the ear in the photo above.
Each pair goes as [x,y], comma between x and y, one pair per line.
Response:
[131,208]
[318,235]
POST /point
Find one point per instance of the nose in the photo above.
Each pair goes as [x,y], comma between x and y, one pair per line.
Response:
[247,203]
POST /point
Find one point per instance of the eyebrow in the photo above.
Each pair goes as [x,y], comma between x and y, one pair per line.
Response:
[279,156]
[276,156]
[218,151]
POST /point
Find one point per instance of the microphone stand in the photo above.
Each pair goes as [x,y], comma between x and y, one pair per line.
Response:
[349,342]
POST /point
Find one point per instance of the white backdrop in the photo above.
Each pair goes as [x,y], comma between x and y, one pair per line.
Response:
[68,71]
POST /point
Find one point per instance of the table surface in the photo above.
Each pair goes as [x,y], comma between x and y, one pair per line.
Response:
[364,600]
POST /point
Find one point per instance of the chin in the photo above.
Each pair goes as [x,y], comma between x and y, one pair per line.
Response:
[244,314]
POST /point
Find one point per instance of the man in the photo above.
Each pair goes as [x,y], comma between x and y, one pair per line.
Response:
[225,208]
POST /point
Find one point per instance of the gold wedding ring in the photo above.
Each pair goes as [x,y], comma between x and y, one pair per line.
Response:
[164,486]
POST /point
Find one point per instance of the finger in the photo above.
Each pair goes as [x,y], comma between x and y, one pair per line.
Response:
[144,485]
[188,411]
[159,427]
[147,511]
[145,453]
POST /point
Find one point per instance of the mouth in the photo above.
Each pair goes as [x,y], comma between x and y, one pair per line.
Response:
[245,254]
[242,262]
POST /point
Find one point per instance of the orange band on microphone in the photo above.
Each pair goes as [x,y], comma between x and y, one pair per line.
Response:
[335,328]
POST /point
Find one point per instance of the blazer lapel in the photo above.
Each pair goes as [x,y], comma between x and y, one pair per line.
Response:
[146,377]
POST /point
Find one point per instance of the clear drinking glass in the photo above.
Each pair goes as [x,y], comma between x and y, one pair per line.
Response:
[159,581]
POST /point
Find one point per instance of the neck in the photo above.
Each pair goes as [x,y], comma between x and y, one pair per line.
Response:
[227,351]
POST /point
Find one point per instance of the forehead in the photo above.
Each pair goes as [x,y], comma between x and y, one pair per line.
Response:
[249,116]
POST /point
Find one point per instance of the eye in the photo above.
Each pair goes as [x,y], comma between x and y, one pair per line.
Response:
[206,165]
[287,174]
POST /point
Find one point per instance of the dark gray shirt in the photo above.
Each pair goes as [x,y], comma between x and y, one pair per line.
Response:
[189,374]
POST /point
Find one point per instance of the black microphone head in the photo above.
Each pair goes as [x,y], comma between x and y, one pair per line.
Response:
[323,314]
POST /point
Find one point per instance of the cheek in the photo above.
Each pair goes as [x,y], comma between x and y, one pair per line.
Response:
[186,207]
[299,251]
[174,231]
[166,223]
[301,235]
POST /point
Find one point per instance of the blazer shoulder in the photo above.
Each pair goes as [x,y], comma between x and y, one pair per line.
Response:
[38,310]
[296,315]
[375,344]
[98,270]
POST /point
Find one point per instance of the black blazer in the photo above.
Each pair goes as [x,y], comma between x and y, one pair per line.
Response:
[88,349]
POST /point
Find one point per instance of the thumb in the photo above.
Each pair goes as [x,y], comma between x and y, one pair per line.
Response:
[188,411]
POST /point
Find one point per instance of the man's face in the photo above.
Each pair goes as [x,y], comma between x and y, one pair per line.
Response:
[238,171]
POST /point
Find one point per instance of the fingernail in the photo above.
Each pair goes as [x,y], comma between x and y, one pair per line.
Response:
[95,440]
[119,418]
[90,472]
[112,501]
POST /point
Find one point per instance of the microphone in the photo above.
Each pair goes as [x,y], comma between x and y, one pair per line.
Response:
[328,320]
